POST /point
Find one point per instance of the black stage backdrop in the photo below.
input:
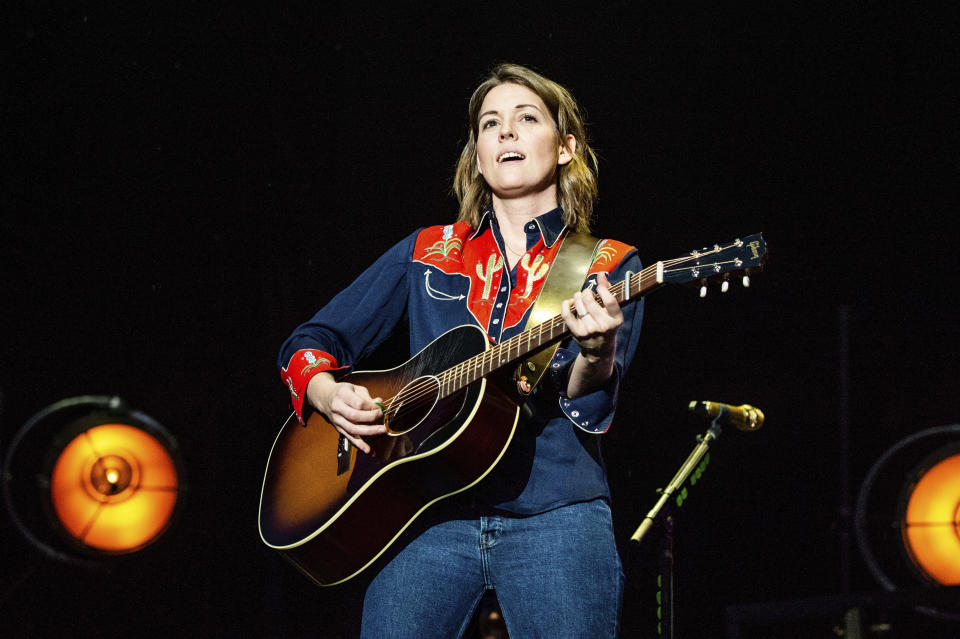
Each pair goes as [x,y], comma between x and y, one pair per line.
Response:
[185,184]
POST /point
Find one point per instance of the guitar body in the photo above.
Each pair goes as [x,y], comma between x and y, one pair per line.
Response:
[332,511]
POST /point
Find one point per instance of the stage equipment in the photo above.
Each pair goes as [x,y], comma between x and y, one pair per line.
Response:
[87,478]
[908,514]
[746,418]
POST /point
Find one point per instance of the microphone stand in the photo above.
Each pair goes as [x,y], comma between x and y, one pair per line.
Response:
[666,611]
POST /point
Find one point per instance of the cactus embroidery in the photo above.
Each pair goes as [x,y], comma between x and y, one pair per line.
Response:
[535,272]
[494,263]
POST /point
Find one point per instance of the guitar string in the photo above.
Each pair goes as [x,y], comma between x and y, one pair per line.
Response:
[415,395]
[464,373]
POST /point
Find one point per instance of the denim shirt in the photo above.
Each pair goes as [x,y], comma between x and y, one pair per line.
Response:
[445,276]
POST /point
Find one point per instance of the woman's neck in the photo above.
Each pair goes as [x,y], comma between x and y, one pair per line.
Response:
[513,215]
[517,212]
[512,218]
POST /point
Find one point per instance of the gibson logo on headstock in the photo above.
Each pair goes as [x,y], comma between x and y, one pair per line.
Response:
[754,246]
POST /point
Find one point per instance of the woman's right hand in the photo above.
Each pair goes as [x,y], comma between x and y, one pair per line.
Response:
[348,407]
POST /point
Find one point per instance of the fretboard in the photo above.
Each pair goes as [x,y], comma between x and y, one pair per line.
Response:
[633,286]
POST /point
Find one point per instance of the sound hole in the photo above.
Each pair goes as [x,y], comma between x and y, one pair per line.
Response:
[412,405]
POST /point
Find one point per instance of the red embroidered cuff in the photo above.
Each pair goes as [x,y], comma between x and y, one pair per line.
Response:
[304,364]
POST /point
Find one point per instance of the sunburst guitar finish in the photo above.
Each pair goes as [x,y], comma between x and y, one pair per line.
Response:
[332,511]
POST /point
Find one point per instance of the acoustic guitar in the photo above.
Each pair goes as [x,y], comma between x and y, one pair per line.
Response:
[451,411]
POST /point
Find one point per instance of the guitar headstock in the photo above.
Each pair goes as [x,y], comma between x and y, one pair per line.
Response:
[741,257]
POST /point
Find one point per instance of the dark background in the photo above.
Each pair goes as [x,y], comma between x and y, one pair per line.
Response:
[183,185]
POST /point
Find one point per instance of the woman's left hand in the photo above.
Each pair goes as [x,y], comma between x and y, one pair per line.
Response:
[595,325]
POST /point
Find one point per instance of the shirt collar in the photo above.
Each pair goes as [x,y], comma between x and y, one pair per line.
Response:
[550,225]
[484,222]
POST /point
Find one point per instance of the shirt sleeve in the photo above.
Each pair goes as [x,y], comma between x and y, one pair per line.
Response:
[350,326]
[594,411]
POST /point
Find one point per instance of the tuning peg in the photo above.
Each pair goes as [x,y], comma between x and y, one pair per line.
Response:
[746,281]
[724,286]
[703,291]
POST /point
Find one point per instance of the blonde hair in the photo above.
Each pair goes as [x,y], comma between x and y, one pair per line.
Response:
[576,180]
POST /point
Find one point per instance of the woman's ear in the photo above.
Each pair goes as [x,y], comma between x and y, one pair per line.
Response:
[568,147]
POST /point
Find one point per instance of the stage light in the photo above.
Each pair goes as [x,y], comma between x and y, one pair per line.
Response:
[931,519]
[114,488]
[88,478]
[907,518]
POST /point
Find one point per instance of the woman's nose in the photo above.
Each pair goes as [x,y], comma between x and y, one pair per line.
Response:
[506,132]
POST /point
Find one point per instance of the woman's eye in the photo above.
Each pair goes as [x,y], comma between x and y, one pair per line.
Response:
[526,117]
[488,124]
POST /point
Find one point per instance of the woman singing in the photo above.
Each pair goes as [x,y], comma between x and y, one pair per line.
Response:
[537,529]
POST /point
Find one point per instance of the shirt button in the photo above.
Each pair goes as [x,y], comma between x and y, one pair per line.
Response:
[504,289]
[575,413]
[499,304]
[531,226]
[496,321]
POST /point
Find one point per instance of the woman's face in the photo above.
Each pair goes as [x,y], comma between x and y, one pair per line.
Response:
[518,149]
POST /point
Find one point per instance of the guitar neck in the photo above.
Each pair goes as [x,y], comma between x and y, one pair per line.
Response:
[703,265]
[633,286]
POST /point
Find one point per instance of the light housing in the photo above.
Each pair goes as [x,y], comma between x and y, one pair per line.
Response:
[87,478]
[907,517]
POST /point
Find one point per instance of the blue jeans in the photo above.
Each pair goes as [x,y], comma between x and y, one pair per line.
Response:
[556,574]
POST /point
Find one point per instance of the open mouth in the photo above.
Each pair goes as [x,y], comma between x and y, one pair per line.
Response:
[510,156]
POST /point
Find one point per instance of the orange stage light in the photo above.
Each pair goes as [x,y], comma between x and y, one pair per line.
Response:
[907,520]
[931,523]
[114,488]
[87,478]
